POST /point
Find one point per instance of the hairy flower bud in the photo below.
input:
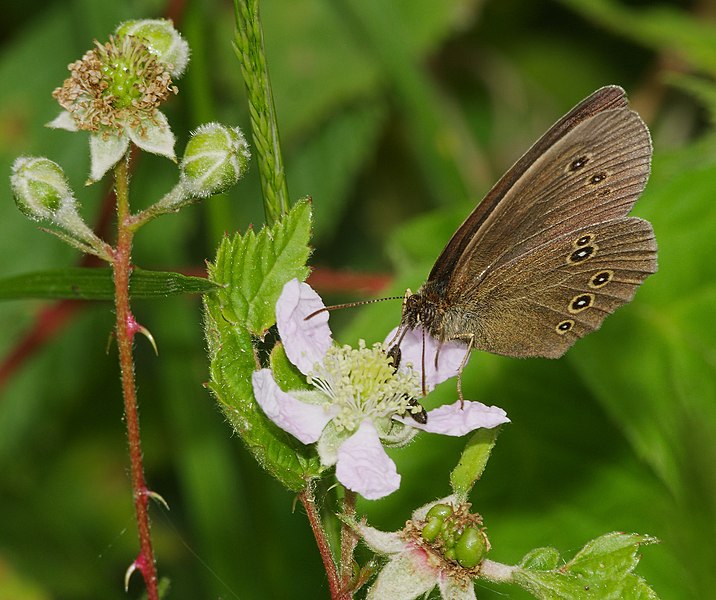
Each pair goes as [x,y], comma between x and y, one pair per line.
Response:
[43,194]
[216,157]
[162,40]
[40,188]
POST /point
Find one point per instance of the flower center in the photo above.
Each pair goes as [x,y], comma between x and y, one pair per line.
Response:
[115,85]
[363,384]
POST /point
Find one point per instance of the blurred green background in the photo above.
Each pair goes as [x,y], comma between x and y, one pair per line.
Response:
[396,117]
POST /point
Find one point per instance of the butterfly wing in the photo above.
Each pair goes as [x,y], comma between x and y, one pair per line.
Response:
[506,274]
[540,302]
[524,174]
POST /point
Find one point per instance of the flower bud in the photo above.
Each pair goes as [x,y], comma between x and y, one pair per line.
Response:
[216,157]
[162,40]
[40,188]
[43,194]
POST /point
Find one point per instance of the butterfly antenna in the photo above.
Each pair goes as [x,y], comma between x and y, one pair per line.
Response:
[350,305]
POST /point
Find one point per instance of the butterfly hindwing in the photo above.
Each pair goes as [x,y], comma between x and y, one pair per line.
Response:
[542,301]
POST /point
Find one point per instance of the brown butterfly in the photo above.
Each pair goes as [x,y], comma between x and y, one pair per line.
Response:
[550,251]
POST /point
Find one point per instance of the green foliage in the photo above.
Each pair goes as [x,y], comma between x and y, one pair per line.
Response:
[618,435]
[252,270]
[473,460]
[602,570]
[78,283]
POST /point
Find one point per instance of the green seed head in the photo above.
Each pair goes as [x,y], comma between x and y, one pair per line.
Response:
[471,547]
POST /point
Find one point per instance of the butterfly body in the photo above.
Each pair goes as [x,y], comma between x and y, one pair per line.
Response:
[550,251]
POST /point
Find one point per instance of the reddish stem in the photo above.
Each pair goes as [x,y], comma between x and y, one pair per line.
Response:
[349,539]
[334,583]
[125,329]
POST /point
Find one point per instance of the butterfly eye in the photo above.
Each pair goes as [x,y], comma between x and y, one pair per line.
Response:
[578,163]
[581,254]
[584,240]
[597,178]
[601,279]
[564,326]
[580,302]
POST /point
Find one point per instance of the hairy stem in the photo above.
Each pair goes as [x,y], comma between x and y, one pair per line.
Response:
[349,539]
[126,327]
[249,48]
[334,583]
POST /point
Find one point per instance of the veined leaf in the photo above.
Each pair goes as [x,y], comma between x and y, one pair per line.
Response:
[255,266]
[602,569]
[253,269]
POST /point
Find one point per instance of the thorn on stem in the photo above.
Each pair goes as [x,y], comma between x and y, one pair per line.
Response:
[158,498]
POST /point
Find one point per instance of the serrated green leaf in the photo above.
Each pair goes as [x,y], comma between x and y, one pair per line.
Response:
[473,460]
[541,559]
[254,268]
[635,588]
[609,554]
[602,570]
[78,283]
[232,364]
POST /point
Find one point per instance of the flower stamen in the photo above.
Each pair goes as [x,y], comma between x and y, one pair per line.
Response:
[362,384]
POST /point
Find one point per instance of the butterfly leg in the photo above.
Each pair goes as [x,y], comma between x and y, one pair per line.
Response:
[470,338]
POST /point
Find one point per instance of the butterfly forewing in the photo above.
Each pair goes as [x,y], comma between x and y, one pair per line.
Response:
[606,98]
[594,173]
[550,251]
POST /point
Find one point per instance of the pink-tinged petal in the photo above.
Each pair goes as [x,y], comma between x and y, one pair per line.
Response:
[364,467]
[305,341]
[303,421]
[449,360]
[451,419]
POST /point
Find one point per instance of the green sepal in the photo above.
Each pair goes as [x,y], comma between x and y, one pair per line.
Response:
[473,461]
[80,283]
[252,270]
[602,570]
[285,373]
[254,267]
